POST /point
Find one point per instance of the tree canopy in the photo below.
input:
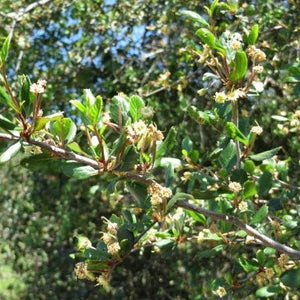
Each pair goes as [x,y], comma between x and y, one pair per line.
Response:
[151,145]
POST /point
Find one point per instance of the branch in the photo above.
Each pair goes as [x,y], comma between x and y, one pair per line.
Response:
[18,15]
[59,152]
[250,230]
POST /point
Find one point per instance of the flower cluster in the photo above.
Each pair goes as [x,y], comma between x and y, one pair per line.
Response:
[263,277]
[234,187]
[158,193]
[81,271]
[110,237]
[257,54]
[139,129]
[39,87]
[221,97]
[257,130]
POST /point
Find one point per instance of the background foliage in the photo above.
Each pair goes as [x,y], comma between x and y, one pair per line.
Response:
[132,47]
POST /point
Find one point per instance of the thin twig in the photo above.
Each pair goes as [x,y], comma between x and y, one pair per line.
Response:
[266,241]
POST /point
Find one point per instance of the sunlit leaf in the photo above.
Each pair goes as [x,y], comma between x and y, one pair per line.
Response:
[234,133]
[253,35]
[9,153]
[136,103]
[195,17]
[42,121]
[240,66]
[65,129]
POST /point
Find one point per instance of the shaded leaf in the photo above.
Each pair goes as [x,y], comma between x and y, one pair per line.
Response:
[268,291]
[291,278]
[265,183]
[6,124]
[73,169]
[167,144]
[248,265]
[260,215]
[178,196]
[265,155]
[96,254]
[227,157]
[211,252]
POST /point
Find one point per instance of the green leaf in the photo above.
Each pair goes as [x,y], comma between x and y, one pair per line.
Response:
[75,147]
[167,144]
[268,291]
[140,194]
[96,109]
[227,157]
[197,217]
[211,252]
[65,129]
[187,144]
[4,49]
[260,215]
[73,169]
[6,99]
[135,104]
[214,6]
[42,121]
[25,95]
[195,17]
[9,153]
[6,124]
[178,196]
[234,133]
[125,239]
[119,110]
[79,106]
[240,66]
[249,190]
[261,257]
[207,37]
[253,35]
[249,166]
[265,183]
[291,278]
[96,254]
[247,265]
[265,155]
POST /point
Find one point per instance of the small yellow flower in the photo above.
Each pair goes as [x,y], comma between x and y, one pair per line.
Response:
[220,97]
[155,134]
[220,292]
